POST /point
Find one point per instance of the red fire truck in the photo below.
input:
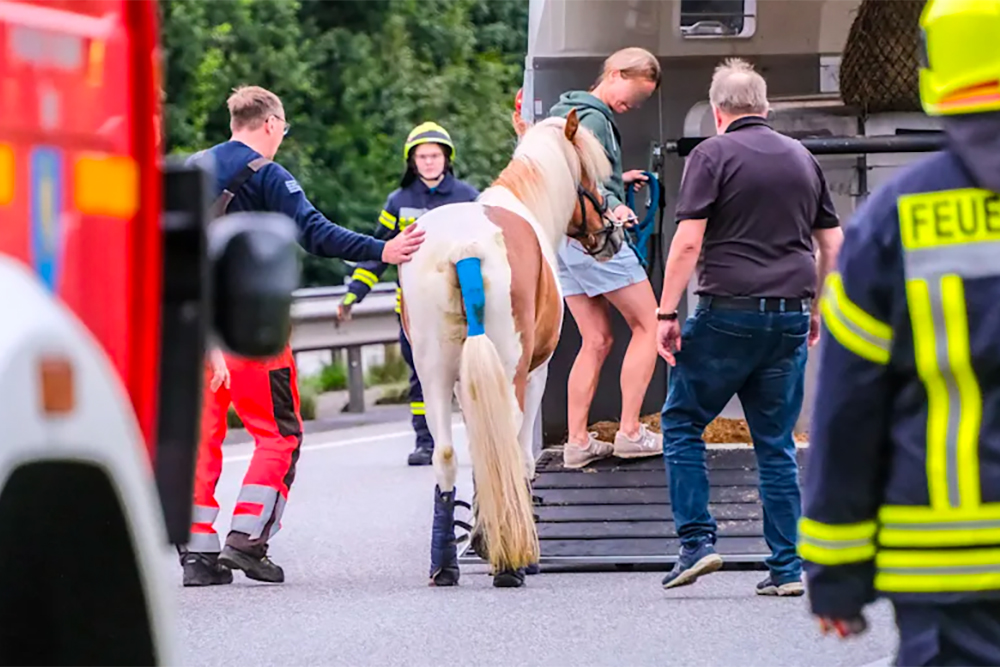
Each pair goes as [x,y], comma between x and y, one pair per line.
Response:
[110,282]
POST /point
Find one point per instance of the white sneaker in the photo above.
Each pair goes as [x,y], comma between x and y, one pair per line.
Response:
[646,443]
[575,456]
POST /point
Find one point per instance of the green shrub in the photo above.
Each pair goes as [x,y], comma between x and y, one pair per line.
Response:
[232,419]
[393,371]
[396,394]
[333,377]
[307,403]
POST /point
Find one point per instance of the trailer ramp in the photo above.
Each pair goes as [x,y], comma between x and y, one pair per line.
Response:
[617,512]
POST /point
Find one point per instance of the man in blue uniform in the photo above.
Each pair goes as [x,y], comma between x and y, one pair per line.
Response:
[427,183]
[902,482]
[264,392]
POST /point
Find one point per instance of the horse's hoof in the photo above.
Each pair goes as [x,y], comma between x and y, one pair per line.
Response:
[532,569]
[509,579]
[446,576]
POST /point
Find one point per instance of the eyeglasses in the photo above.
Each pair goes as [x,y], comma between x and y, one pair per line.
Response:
[288,126]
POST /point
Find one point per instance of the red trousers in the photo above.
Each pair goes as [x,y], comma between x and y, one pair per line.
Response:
[266,397]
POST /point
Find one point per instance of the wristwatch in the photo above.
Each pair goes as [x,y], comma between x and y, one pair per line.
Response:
[666,316]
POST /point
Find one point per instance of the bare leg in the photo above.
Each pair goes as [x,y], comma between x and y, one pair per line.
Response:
[591,316]
[637,304]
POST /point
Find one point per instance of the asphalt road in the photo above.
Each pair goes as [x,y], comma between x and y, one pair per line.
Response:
[355,547]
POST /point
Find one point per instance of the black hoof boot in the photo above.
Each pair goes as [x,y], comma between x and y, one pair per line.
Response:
[532,569]
[444,553]
[509,578]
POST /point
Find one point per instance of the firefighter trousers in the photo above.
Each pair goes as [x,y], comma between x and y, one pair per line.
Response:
[418,415]
[959,634]
[266,397]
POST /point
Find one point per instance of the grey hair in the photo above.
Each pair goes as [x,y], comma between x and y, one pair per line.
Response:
[737,89]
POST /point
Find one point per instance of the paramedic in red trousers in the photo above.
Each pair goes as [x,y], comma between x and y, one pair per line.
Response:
[264,393]
[754,206]
[428,182]
[902,483]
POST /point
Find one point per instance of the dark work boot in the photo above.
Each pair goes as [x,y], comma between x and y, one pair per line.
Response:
[203,569]
[420,456]
[444,553]
[254,562]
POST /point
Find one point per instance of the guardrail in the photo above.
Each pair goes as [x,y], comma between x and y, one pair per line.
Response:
[373,322]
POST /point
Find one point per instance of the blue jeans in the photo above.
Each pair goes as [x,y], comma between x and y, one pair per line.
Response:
[761,357]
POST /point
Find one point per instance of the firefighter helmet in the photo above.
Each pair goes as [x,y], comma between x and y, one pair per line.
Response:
[961,69]
[428,133]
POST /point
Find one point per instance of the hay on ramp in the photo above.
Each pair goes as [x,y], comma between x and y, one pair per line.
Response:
[721,431]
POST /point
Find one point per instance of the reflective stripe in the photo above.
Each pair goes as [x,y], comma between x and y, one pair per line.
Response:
[387,219]
[928,571]
[954,411]
[418,408]
[399,300]
[204,514]
[853,328]
[836,544]
[921,526]
[247,518]
[973,260]
[279,511]
[365,276]
[205,543]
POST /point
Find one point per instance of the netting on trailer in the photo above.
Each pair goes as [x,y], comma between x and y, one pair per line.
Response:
[878,70]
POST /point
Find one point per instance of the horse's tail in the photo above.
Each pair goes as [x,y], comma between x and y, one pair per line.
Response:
[505,524]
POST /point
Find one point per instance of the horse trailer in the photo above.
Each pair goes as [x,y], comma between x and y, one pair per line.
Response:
[619,513]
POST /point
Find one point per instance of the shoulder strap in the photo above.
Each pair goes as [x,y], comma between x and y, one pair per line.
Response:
[220,205]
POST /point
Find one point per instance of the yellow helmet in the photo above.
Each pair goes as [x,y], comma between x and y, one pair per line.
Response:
[961,70]
[428,133]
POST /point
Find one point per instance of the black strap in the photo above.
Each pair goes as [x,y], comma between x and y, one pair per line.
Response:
[220,205]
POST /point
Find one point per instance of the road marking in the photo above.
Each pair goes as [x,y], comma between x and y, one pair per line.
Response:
[343,443]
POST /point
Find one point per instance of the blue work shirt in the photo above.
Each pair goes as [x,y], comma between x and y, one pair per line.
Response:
[403,207]
[273,188]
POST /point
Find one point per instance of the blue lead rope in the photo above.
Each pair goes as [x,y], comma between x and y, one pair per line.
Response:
[638,236]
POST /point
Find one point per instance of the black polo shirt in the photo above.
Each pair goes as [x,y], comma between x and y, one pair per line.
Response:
[763,194]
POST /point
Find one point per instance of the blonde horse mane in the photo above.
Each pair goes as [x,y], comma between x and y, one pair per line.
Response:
[546,169]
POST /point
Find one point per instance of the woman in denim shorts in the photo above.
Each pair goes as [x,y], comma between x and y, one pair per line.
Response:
[628,78]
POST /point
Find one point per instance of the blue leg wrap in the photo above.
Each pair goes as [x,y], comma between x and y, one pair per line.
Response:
[444,553]
[470,279]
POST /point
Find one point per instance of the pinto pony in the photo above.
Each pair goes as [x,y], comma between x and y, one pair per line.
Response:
[482,309]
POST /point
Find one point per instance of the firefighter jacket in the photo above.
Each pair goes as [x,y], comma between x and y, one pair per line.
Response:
[902,478]
[402,208]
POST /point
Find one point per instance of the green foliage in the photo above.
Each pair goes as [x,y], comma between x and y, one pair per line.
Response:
[355,76]
[307,403]
[394,394]
[394,370]
[333,377]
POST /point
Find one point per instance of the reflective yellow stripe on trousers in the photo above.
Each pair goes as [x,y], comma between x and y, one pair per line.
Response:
[947,237]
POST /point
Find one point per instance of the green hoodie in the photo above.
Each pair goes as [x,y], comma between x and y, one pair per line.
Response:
[597,117]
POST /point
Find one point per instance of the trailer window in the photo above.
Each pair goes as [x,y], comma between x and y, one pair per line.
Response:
[719,19]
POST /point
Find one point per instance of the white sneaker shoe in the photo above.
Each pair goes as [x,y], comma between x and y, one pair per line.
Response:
[575,456]
[646,444]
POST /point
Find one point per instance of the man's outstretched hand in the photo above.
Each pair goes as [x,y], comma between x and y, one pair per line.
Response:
[400,249]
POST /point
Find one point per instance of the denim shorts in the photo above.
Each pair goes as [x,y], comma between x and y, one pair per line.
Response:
[579,273]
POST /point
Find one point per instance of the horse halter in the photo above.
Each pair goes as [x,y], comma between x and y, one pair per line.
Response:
[612,227]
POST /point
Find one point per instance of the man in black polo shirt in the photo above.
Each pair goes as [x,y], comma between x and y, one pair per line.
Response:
[753,205]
